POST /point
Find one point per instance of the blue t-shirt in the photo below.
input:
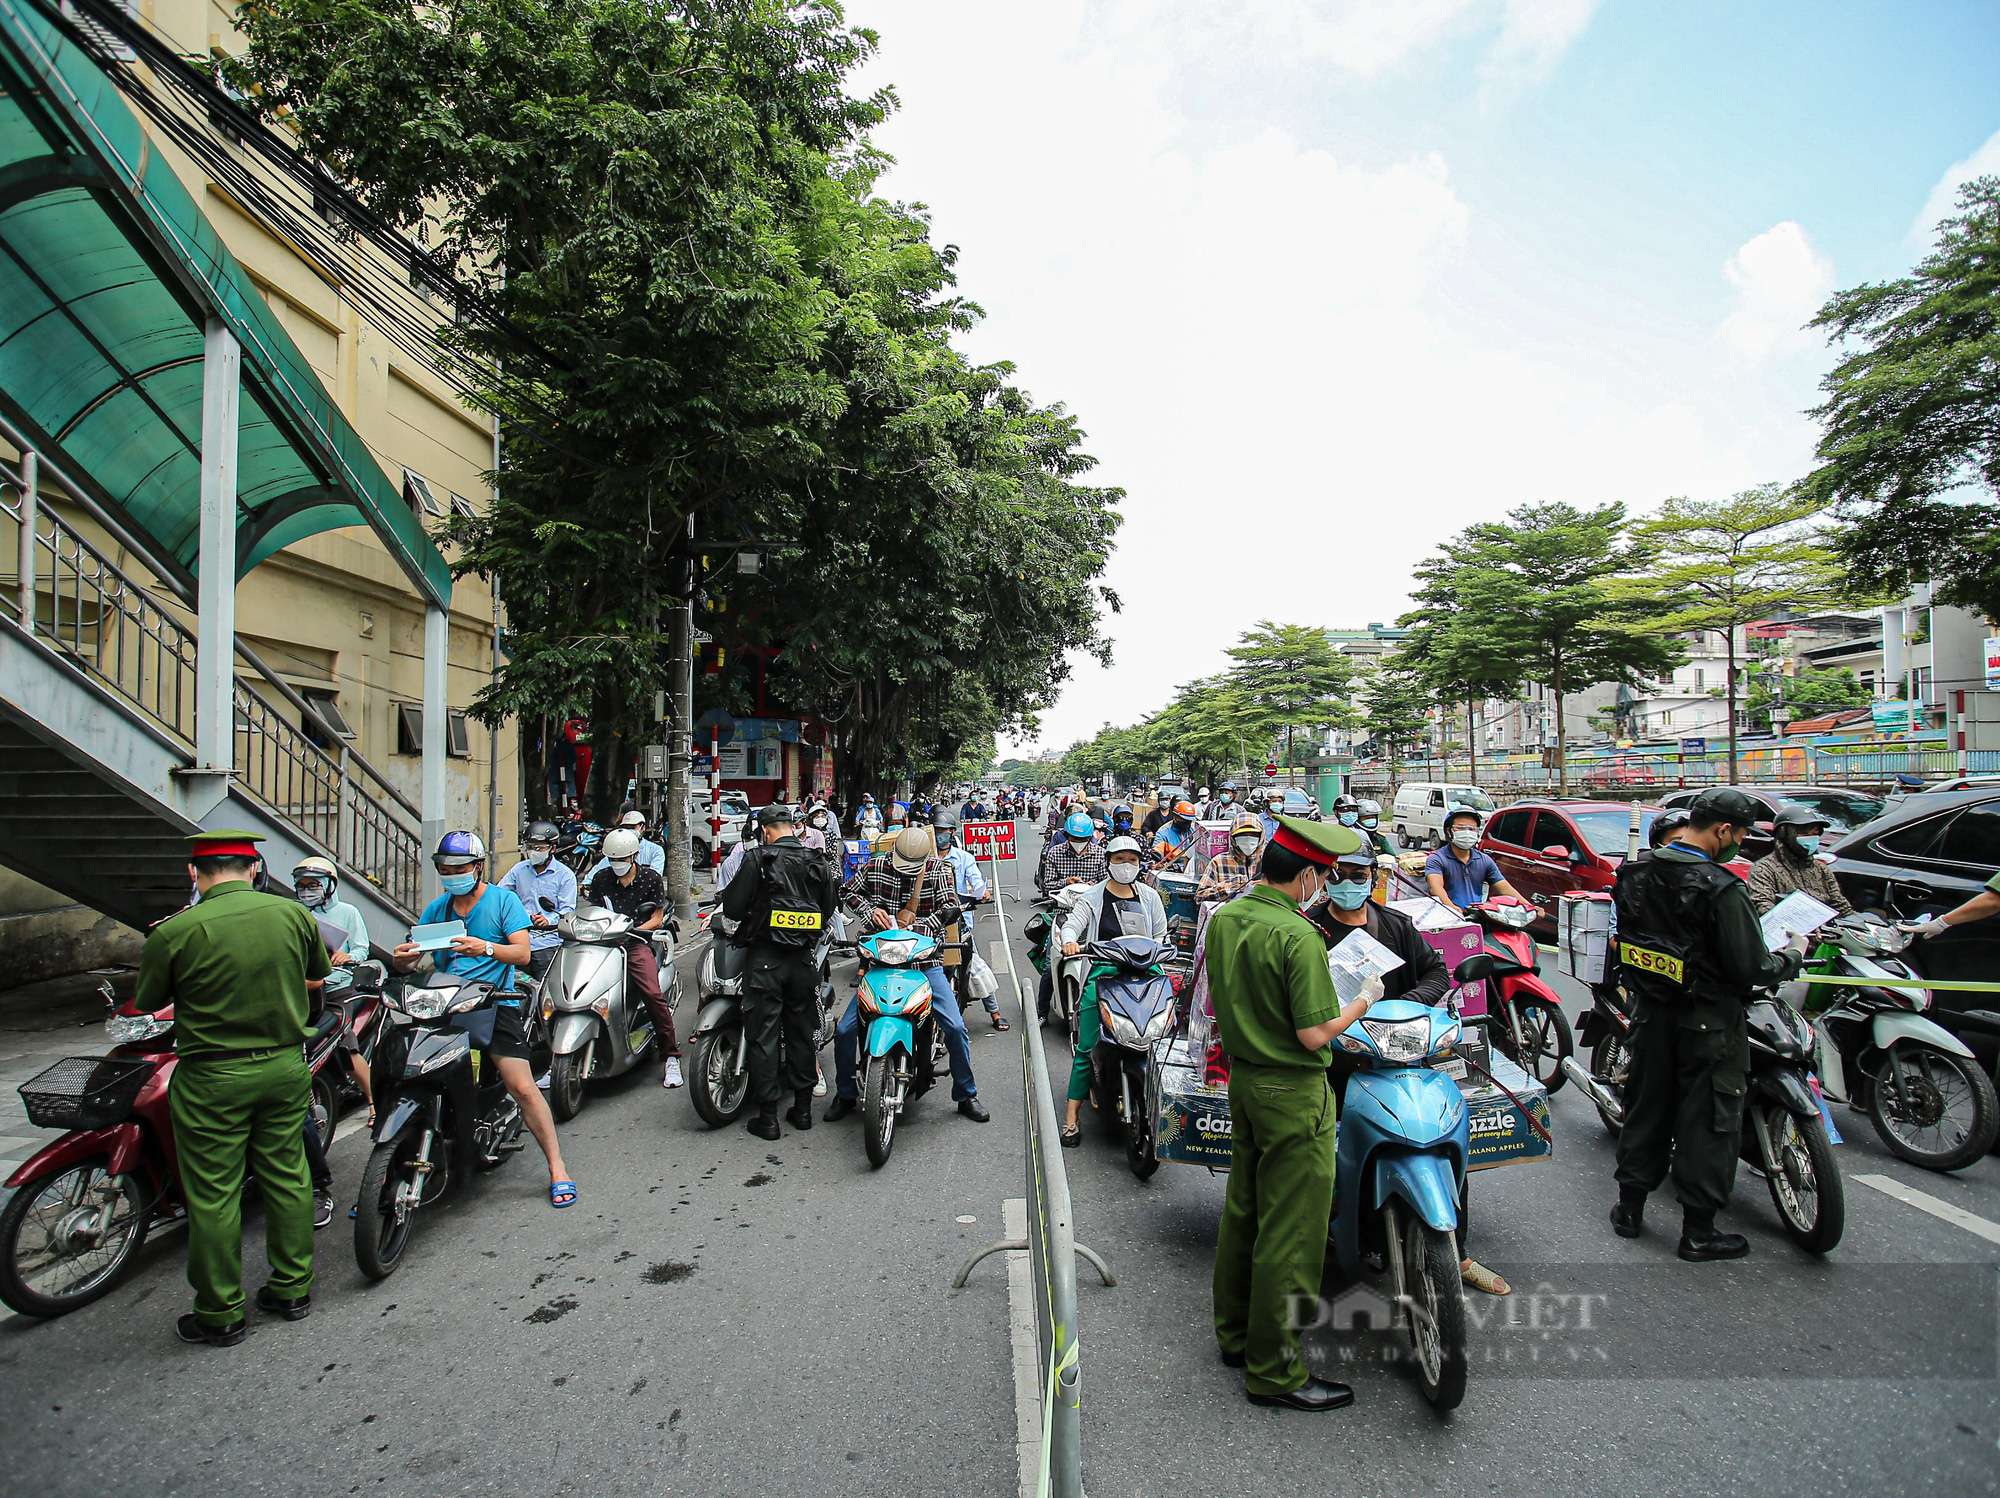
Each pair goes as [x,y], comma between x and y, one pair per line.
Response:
[498,914]
[1464,883]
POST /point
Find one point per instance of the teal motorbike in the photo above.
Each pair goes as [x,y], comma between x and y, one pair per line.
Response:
[1401,1154]
[900,1048]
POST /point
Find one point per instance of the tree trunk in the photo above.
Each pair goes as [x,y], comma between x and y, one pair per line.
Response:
[1471,741]
[1562,742]
[680,715]
[1729,649]
[535,734]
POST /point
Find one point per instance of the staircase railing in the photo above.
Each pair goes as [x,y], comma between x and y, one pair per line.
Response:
[69,595]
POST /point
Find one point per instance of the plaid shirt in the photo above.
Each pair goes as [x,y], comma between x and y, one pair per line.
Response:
[877,885]
[1059,866]
[1227,874]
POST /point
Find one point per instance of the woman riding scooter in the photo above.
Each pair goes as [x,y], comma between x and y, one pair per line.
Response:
[1120,906]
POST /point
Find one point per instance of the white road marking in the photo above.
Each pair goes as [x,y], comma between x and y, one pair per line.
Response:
[1944,1211]
[1027,1348]
[354,1123]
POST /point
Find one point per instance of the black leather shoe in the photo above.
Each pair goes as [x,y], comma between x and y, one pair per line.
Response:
[764,1126]
[1314,1394]
[1710,1246]
[1628,1219]
[975,1110]
[800,1116]
[193,1329]
[839,1108]
[1231,1359]
[291,1310]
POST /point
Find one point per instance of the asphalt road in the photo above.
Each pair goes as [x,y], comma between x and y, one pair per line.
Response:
[814,1346]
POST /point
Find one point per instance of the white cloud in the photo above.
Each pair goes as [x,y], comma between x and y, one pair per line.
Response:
[1781,281]
[1533,38]
[1943,201]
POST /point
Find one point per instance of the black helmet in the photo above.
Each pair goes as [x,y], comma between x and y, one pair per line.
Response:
[1793,814]
[1345,803]
[541,832]
[941,816]
[1726,804]
[1665,825]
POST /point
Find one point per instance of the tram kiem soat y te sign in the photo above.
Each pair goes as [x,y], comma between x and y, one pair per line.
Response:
[989,839]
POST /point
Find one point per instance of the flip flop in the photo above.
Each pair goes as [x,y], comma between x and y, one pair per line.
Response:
[999,1023]
[562,1193]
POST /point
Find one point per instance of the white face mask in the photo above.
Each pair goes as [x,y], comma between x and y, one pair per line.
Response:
[1246,845]
[1124,872]
[539,857]
[621,866]
[1465,837]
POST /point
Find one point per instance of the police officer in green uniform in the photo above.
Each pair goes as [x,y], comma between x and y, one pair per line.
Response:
[241,970]
[1691,952]
[1277,1013]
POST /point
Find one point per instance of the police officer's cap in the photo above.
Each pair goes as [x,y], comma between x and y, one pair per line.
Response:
[226,842]
[1320,843]
[1724,803]
[777,814]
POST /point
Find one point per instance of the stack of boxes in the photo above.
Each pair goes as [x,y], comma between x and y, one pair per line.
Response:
[1583,935]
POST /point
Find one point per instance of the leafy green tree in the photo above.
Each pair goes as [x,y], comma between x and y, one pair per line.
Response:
[1719,565]
[1910,455]
[1396,711]
[1453,665]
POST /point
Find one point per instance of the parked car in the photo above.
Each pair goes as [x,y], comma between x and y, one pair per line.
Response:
[1924,855]
[1299,804]
[1843,809]
[1417,816]
[735,807]
[1546,849]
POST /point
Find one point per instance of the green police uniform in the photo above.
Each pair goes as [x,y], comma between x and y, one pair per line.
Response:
[1268,979]
[235,967]
[1690,1050]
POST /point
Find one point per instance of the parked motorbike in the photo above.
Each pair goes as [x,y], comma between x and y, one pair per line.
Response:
[441,1111]
[1401,1154]
[719,1050]
[598,1024]
[901,1054]
[1527,1020]
[579,847]
[1136,1009]
[1787,1135]
[356,1005]
[85,1204]
[1922,1088]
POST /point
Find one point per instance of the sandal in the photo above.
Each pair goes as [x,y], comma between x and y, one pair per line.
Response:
[562,1193]
[998,1022]
[1072,1136]
[1480,1277]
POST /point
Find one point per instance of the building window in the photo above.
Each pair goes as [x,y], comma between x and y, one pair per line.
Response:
[418,494]
[460,505]
[457,741]
[1700,679]
[325,724]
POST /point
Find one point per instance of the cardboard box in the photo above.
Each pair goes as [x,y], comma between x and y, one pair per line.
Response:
[1191,1124]
[1454,944]
[1583,934]
[1501,1133]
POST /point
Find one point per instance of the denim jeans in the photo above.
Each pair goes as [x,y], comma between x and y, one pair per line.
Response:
[944,1008]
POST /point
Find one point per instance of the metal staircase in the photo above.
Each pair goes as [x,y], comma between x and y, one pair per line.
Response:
[98,782]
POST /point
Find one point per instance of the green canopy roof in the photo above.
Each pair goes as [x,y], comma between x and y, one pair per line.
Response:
[108,272]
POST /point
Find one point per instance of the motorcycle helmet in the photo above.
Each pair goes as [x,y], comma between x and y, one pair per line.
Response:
[621,845]
[1665,825]
[541,832]
[1792,814]
[1371,813]
[1347,811]
[457,850]
[314,882]
[1119,845]
[1080,825]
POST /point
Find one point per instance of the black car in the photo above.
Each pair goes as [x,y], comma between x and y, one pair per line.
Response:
[1843,809]
[1925,855]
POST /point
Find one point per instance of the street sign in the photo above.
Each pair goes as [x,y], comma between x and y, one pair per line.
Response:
[1993,665]
[991,840]
[1694,746]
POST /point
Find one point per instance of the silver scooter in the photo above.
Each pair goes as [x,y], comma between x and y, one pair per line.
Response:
[719,1049]
[599,1027]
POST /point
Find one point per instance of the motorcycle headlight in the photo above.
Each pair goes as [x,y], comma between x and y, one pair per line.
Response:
[1161,1025]
[896,953]
[424,1003]
[1352,1043]
[468,998]
[123,1029]
[1518,919]
[1400,1040]
[1122,1030]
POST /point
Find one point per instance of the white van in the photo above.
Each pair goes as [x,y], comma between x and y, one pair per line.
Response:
[1420,807]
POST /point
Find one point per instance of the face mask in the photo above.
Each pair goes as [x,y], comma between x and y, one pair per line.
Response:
[1348,895]
[1078,844]
[621,866]
[312,896]
[458,884]
[1124,872]
[1123,824]
[1349,819]
[1313,899]
[1246,846]
[1809,845]
[1728,852]
[539,857]
[1369,824]
[1227,798]
[819,821]
[1465,837]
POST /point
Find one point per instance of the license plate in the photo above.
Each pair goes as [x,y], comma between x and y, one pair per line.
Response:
[795,920]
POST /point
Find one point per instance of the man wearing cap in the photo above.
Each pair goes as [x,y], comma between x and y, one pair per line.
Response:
[1277,1013]
[781,899]
[1692,954]
[242,970]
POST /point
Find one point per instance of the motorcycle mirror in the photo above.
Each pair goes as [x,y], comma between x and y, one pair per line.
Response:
[1474,968]
[547,904]
[646,912]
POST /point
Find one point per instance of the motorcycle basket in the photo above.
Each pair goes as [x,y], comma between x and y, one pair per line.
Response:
[84,1092]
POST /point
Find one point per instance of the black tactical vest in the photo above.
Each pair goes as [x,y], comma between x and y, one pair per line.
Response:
[1666,942]
[793,895]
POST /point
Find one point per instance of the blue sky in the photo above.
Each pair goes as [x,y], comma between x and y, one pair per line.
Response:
[1327,282]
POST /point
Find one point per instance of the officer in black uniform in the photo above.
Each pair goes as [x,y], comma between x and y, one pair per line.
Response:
[782,897]
[1692,953]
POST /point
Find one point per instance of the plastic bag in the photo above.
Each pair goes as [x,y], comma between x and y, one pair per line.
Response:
[981,982]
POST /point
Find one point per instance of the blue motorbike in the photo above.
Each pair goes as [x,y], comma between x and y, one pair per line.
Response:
[1402,1147]
[899,1049]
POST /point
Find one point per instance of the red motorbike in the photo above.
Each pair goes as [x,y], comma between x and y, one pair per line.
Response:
[84,1206]
[1526,1023]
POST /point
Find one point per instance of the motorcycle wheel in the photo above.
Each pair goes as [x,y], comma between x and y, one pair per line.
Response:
[1611,1064]
[1545,1040]
[379,1235]
[1949,1115]
[46,1269]
[878,1114]
[1806,1188]
[1436,1311]
[324,1105]
[566,1094]
[718,1096]
[1139,1154]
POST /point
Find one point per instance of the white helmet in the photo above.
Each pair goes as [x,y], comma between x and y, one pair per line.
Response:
[636,820]
[621,844]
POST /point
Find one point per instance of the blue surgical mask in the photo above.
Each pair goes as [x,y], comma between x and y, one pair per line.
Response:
[1809,845]
[1369,824]
[1348,895]
[458,884]
[1349,818]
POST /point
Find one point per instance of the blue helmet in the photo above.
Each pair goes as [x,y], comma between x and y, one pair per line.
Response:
[1080,825]
[459,848]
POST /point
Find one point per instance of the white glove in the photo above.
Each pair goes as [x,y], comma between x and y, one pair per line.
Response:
[1799,942]
[1936,926]
[1371,993]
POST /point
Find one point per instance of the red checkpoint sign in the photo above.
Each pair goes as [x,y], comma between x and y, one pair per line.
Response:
[993,840]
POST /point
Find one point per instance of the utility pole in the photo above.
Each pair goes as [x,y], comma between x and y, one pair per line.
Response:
[680,737]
